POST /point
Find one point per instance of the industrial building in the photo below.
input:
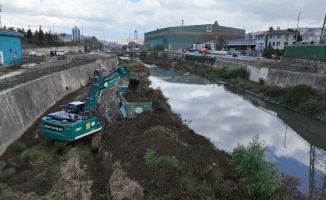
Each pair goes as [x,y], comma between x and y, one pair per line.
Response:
[182,37]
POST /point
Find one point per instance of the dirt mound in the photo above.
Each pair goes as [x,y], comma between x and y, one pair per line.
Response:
[167,158]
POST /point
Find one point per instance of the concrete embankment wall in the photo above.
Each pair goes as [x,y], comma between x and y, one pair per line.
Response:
[276,77]
[22,105]
[288,79]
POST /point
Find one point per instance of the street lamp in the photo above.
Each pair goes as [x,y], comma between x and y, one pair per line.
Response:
[103,38]
[82,36]
[248,41]
[296,35]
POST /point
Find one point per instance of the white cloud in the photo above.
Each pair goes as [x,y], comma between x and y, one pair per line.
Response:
[120,18]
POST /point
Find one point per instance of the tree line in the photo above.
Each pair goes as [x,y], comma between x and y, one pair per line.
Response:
[39,37]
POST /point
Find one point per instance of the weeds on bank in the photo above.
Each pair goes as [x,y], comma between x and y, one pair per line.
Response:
[151,160]
[16,146]
[38,153]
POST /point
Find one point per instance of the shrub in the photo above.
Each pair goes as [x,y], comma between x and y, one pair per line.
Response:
[298,95]
[154,54]
[143,55]
[239,73]
[260,177]
[275,91]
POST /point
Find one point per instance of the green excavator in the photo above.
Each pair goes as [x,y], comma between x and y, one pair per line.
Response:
[79,119]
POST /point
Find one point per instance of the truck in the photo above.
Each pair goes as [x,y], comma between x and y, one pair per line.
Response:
[79,119]
[130,110]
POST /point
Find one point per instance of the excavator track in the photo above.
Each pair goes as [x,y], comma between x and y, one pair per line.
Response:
[96,141]
[60,145]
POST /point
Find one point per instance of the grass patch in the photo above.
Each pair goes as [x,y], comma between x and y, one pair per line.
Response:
[151,160]
[17,146]
[186,183]
[38,153]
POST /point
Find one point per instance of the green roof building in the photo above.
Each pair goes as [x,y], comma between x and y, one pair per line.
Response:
[182,37]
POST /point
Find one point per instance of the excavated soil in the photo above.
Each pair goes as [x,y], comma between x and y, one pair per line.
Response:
[154,156]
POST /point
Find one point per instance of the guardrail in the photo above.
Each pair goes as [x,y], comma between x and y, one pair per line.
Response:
[12,81]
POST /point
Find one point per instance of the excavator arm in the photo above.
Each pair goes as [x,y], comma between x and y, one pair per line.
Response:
[106,81]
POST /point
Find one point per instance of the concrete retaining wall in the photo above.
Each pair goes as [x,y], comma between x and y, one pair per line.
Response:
[277,77]
[288,79]
[22,105]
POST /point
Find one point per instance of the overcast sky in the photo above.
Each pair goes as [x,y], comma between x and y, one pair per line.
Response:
[118,19]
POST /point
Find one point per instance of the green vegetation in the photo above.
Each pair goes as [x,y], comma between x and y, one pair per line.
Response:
[38,153]
[189,185]
[259,177]
[151,160]
[2,165]
[16,146]
[116,165]
[298,95]
[199,59]
[143,55]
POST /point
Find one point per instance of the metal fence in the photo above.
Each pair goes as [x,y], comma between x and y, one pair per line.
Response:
[12,81]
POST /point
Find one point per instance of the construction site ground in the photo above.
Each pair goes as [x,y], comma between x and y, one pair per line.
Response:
[154,156]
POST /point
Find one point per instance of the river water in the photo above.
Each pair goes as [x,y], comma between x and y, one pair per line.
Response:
[229,117]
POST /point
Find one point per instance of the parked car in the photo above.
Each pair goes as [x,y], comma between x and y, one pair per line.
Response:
[36,53]
[40,54]
[32,53]
[60,52]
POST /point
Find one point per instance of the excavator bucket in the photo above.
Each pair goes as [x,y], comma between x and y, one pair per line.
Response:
[133,84]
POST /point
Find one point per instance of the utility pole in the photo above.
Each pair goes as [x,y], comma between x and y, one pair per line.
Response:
[296,35]
[323,33]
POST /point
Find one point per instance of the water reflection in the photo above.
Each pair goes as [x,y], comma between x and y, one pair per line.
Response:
[230,117]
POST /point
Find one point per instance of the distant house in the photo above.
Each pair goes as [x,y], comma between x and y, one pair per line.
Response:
[10,48]
[277,39]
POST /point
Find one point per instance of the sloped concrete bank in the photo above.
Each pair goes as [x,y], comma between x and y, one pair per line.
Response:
[22,105]
[276,77]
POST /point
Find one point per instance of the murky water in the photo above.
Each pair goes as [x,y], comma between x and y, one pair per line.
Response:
[230,117]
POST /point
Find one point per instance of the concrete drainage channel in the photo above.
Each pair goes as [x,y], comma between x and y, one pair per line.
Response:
[24,103]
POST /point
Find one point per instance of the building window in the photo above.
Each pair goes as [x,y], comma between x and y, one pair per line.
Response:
[270,36]
[278,36]
[278,44]
[273,44]
[15,54]
[269,44]
[287,36]
[285,43]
